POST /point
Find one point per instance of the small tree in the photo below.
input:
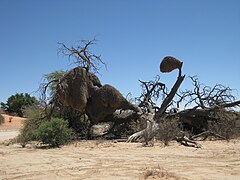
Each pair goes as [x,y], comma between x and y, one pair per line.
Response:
[17,102]
[54,132]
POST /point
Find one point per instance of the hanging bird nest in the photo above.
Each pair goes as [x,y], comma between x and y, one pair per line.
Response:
[170,63]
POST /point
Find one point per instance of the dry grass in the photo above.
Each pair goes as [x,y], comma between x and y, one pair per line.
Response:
[103,143]
[159,173]
[1,119]
[168,130]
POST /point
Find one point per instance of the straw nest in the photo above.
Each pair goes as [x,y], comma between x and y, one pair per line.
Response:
[169,63]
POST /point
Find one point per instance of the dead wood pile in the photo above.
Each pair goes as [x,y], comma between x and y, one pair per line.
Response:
[210,117]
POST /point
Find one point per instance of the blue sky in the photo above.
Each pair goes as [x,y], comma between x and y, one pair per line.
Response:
[133,37]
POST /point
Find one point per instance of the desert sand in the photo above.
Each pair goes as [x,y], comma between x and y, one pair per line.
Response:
[119,160]
[11,126]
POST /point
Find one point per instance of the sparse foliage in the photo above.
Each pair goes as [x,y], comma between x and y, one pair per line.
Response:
[54,78]
[49,86]
[32,111]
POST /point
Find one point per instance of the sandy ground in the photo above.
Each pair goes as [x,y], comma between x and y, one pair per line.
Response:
[119,160]
[11,126]
[15,124]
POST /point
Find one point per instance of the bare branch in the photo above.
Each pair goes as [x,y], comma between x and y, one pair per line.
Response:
[204,96]
[152,90]
[82,56]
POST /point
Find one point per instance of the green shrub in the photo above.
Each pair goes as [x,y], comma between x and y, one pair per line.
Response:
[1,119]
[54,132]
[79,123]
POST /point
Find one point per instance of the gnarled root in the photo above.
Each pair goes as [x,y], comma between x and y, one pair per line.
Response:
[136,136]
[149,132]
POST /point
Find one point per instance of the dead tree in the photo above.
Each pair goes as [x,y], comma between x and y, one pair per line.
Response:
[152,125]
[210,108]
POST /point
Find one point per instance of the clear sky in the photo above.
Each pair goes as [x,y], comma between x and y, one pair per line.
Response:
[133,37]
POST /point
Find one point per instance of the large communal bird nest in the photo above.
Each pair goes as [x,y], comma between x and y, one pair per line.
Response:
[83,92]
[105,101]
[75,88]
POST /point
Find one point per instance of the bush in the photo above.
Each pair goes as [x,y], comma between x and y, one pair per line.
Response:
[34,119]
[79,123]
[27,133]
[1,119]
[54,132]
